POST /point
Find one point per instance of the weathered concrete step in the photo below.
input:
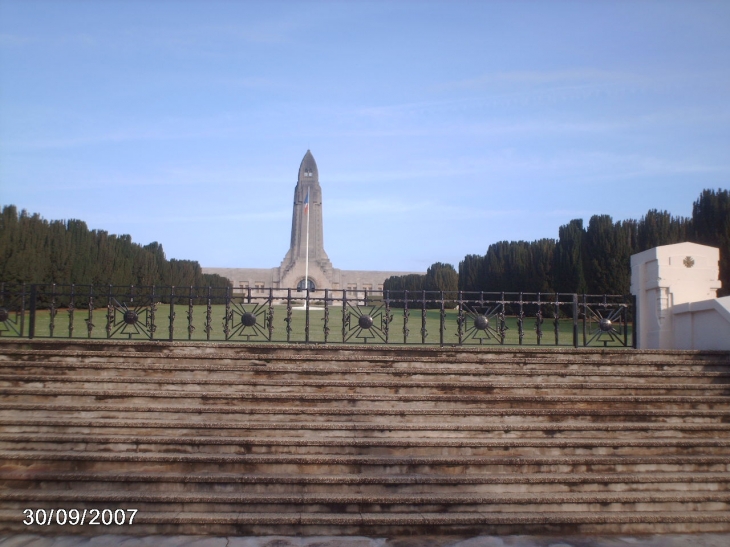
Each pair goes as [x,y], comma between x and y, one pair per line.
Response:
[263,403]
[369,357]
[376,446]
[242,523]
[367,483]
[355,503]
[388,429]
[215,350]
[17,460]
[363,387]
[262,371]
[377,371]
[192,413]
[139,395]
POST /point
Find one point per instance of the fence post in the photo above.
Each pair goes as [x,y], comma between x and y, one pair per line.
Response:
[306,315]
[208,311]
[442,320]
[31,319]
[575,320]
[22,311]
[635,323]
[326,317]
[172,314]
[585,317]
[405,317]
[424,332]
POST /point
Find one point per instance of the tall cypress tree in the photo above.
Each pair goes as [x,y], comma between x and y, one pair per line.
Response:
[607,251]
[471,271]
[710,225]
[660,228]
[568,271]
[442,277]
[540,272]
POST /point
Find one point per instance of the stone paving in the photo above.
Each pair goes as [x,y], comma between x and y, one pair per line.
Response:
[667,540]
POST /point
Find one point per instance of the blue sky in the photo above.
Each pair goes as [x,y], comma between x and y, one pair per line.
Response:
[438,127]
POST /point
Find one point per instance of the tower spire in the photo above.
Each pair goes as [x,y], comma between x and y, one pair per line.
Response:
[307,185]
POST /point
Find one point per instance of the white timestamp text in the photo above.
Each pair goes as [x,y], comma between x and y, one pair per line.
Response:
[79,517]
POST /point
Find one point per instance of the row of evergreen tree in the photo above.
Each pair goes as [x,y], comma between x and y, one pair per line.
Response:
[593,259]
[439,277]
[35,250]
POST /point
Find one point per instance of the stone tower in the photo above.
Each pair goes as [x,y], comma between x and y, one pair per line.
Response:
[291,273]
[293,265]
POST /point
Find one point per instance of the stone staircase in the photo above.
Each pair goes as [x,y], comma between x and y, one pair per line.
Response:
[238,440]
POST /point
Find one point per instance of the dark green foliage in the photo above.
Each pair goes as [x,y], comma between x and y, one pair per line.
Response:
[442,277]
[410,282]
[34,250]
[439,277]
[597,259]
[607,255]
[660,228]
[510,266]
[710,225]
[471,273]
[568,275]
[542,260]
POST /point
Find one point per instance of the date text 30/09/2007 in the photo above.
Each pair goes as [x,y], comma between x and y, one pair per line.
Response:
[79,517]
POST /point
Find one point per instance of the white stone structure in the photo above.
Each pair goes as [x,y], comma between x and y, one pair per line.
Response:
[291,272]
[676,288]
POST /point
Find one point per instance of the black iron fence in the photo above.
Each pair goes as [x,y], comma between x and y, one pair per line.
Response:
[316,316]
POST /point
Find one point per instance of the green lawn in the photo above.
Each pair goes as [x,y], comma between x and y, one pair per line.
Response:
[354,334]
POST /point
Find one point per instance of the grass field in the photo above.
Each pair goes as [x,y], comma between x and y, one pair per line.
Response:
[260,332]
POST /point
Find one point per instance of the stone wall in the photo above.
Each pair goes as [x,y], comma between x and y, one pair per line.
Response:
[334,279]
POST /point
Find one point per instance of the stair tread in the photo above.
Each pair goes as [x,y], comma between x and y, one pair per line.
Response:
[358,426]
[369,478]
[342,441]
[254,395]
[513,412]
[463,384]
[111,496]
[352,459]
[484,369]
[422,518]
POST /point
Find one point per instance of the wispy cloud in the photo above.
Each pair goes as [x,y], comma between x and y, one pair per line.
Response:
[8,39]
[388,205]
[537,78]
[104,131]
[239,217]
[246,82]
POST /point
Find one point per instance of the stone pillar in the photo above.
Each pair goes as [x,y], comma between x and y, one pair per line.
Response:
[664,277]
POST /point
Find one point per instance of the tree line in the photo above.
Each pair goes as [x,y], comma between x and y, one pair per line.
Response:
[592,259]
[35,250]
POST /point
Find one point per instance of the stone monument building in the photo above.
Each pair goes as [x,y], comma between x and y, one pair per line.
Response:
[291,272]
